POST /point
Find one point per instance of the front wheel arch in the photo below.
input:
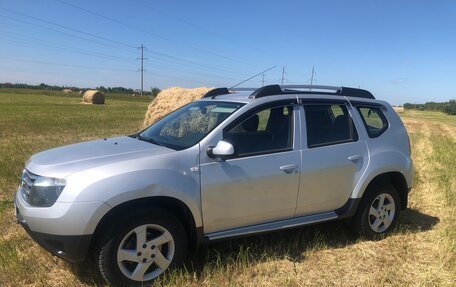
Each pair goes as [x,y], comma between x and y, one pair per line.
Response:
[170,204]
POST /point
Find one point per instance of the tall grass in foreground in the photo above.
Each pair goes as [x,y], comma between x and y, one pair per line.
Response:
[445,154]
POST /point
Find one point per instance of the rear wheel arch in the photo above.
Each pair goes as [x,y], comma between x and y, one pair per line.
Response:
[127,209]
[396,180]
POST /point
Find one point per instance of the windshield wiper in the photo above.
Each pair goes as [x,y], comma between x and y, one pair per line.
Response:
[149,140]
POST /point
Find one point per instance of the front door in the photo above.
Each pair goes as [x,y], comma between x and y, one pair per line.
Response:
[260,183]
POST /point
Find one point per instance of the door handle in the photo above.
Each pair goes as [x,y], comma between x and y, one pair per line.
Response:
[289,168]
[354,157]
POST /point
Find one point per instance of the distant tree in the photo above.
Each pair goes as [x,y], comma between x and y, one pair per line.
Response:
[408,106]
[450,107]
[155,91]
[446,107]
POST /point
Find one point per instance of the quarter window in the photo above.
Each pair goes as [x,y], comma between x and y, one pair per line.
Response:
[374,121]
[268,130]
[328,124]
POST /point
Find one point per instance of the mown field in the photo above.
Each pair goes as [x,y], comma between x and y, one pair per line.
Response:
[422,251]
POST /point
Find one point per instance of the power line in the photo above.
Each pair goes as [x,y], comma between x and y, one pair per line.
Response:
[193,73]
[26,42]
[117,42]
[44,28]
[68,65]
[28,39]
[91,53]
[187,23]
[124,49]
[97,68]
[67,28]
[150,33]
[161,75]
[197,27]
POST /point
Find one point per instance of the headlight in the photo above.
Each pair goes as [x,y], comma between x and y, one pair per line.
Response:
[41,191]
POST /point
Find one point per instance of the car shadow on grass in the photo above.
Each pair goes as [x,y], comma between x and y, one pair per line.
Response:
[415,221]
[289,244]
[292,244]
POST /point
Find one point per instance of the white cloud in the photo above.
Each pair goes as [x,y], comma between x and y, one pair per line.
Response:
[398,81]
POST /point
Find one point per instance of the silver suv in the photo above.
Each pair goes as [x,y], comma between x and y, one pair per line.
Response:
[234,163]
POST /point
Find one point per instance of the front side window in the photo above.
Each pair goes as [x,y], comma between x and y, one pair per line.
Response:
[268,130]
[188,125]
[374,121]
[328,124]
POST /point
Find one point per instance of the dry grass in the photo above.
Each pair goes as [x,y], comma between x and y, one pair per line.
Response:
[420,253]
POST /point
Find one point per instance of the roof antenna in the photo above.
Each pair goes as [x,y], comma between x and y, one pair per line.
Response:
[252,77]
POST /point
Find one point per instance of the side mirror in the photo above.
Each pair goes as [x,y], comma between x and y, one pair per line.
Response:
[222,149]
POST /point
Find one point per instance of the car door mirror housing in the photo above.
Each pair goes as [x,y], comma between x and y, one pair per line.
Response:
[223,149]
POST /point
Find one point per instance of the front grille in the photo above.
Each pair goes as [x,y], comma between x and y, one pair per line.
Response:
[26,184]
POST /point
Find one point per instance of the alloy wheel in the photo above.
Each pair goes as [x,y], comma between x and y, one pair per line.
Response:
[381,212]
[145,252]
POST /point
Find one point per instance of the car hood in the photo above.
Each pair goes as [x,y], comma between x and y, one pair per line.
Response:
[63,161]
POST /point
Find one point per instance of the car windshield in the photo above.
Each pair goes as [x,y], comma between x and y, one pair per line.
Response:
[188,125]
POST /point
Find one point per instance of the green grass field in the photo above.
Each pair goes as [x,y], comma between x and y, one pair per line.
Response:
[420,253]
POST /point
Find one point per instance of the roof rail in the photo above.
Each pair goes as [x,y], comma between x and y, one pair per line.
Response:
[215,92]
[311,87]
[272,90]
[241,89]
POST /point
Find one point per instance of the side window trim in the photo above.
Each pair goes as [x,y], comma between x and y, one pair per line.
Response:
[354,137]
[331,143]
[265,152]
[253,111]
[368,105]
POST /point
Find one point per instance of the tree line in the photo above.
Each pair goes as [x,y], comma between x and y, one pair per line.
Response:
[446,107]
[119,90]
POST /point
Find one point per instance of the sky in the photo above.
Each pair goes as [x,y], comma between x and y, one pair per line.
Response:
[401,51]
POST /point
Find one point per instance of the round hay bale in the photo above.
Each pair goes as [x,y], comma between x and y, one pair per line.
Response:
[93,97]
[171,99]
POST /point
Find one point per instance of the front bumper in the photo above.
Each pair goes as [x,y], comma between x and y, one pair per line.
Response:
[69,247]
[54,228]
[72,248]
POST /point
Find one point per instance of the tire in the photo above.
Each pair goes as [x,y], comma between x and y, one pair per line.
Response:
[373,220]
[123,261]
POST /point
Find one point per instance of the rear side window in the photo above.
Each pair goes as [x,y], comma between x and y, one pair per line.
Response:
[328,124]
[374,121]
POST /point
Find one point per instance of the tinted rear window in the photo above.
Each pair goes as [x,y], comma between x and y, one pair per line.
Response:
[328,124]
[374,120]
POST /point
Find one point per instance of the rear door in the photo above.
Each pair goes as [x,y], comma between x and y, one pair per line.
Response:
[333,156]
